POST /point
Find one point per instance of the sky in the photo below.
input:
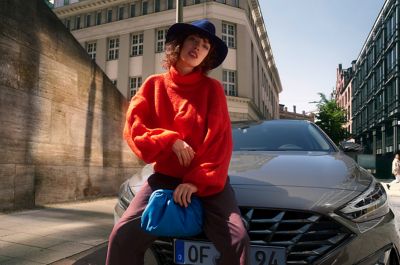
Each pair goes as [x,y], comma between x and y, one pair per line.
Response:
[310,38]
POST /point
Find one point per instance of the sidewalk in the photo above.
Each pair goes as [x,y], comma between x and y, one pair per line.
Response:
[60,234]
[394,188]
[53,233]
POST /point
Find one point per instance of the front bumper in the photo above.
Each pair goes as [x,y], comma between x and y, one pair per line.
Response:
[370,248]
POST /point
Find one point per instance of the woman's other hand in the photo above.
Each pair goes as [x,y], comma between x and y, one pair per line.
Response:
[183,194]
[184,152]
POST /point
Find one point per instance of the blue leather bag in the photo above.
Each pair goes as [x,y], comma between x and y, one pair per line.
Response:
[164,217]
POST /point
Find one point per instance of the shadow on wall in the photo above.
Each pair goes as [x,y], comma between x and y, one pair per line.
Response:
[61,117]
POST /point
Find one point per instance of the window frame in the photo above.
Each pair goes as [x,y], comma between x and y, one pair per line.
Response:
[109,16]
[68,23]
[137,48]
[160,43]
[121,13]
[91,49]
[78,22]
[169,4]
[145,7]
[88,18]
[229,37]
[135,82]
[132,7]
[98,18]
[230,86]
[157,5]
[113,52]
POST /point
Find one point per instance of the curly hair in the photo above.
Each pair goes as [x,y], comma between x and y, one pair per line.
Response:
[173,48]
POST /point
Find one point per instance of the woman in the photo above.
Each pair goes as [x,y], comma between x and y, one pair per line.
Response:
[395,169]
[179,121]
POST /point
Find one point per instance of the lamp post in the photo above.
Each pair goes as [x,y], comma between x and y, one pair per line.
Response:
[179,11]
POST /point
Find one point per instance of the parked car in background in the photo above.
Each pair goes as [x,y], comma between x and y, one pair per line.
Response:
[302,200]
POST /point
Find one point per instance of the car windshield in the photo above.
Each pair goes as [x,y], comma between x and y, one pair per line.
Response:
[280,136]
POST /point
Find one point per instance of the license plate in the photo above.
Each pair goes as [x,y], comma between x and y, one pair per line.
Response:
[204,253]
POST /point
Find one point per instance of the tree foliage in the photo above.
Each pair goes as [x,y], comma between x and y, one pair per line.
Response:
[331,118]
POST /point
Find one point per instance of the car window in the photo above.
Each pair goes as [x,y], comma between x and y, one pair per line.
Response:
[280,136]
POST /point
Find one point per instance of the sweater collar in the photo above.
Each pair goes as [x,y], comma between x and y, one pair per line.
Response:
[188,79]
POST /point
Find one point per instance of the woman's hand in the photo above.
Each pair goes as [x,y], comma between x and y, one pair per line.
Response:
[183,193]
[184,152]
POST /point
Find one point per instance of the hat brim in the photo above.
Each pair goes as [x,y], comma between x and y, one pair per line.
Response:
[183,29]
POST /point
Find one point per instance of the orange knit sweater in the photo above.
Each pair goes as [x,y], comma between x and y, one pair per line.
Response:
[190,107]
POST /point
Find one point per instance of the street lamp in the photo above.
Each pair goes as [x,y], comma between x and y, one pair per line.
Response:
[179,11]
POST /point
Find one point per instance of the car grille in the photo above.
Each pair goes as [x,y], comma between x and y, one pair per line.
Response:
[306,236]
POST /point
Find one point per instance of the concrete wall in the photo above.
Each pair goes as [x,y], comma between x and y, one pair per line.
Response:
[61,118]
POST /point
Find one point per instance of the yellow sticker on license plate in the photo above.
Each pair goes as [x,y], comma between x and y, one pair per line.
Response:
[205,253]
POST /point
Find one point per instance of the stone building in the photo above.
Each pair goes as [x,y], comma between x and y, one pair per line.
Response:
[126,39]
[284,113]
[342,93]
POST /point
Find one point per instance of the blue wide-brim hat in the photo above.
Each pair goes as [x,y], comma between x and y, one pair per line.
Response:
[204,28]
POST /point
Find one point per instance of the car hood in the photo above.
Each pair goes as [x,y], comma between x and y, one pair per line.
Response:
[298,169]
[319,181]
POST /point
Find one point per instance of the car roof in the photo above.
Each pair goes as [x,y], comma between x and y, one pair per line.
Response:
[238,124]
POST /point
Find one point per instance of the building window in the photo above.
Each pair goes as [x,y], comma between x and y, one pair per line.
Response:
[91,49]
[157,5]
[133,10]
[98,18]
[196,1]
[121,13]
[170,4]
[235,3]
[66,2]
[109,16]
[87,20]
[134,85]
[390,26]
[114,82]
[229,82]
[78,22]
[144,8]
[137,44]
[220,1]
[379,45]
[391,59]
[68,23]
[160,40]
[228,34]
[113,48]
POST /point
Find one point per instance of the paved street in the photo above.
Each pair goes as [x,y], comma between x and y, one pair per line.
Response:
[73,233]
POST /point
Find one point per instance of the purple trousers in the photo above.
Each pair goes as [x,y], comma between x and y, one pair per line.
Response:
[222,225]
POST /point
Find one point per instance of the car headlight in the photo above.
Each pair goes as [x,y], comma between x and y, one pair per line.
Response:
[125,194]
[371,204]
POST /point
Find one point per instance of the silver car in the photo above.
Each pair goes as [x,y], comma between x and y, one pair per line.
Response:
[302,200]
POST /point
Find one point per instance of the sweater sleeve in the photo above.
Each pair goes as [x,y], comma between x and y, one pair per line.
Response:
[212,160]
[147,142]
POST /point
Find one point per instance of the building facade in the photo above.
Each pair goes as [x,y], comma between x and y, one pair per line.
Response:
[375,92]
[344,78]
[127,39]
[284,114]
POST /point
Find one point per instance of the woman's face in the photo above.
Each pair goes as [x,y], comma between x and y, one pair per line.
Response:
[194,50]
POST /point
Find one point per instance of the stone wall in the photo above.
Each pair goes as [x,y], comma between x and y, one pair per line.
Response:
[61,118]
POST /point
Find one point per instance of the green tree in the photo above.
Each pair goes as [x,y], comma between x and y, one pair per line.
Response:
[331,118]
